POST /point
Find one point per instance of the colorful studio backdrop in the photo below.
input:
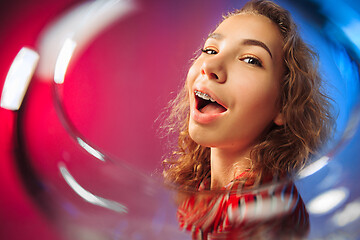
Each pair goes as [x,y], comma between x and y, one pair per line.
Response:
[83,89]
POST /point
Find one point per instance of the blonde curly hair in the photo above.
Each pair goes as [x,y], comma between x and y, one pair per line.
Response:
[284,149]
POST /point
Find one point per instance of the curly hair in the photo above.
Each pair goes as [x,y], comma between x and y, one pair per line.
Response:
[284,149]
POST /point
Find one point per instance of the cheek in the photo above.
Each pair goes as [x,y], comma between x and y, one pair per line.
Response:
[192,74]
[268,95]
[258,97]
[193,71]
[190,78]
[265,86]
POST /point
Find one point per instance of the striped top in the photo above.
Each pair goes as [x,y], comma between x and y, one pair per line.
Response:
[273,211]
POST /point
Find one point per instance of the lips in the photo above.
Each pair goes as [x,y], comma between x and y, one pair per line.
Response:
[205,103]
[207,107]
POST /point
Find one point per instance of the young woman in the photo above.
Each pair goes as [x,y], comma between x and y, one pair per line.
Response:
[251,113]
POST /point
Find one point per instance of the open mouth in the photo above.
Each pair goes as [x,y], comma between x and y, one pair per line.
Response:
[206,104]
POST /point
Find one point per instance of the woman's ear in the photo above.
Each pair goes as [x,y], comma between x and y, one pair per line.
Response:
[279,119]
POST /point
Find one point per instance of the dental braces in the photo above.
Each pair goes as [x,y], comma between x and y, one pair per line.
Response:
[204,96]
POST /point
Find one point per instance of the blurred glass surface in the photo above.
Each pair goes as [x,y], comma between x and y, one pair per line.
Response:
[88,149]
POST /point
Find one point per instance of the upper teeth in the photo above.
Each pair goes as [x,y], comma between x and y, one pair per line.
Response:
[203,96]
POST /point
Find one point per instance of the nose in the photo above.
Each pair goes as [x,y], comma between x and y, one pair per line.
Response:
[213,69]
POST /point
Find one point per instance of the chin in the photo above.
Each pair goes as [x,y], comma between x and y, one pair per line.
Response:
[201,138]
[197,136]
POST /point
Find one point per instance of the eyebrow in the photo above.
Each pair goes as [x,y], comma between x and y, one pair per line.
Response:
[215,36]
[248,42]
[254,42]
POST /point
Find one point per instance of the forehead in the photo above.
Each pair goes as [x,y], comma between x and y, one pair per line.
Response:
[252,26]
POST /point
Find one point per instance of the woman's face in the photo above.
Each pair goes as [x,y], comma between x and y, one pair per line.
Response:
[234,84]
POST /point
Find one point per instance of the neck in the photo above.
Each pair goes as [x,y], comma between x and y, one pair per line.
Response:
[226,165]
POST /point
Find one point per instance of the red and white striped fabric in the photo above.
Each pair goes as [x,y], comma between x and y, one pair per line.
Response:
[271,211]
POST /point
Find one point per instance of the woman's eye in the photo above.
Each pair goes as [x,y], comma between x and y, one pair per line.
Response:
[253,61]
[209,51]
